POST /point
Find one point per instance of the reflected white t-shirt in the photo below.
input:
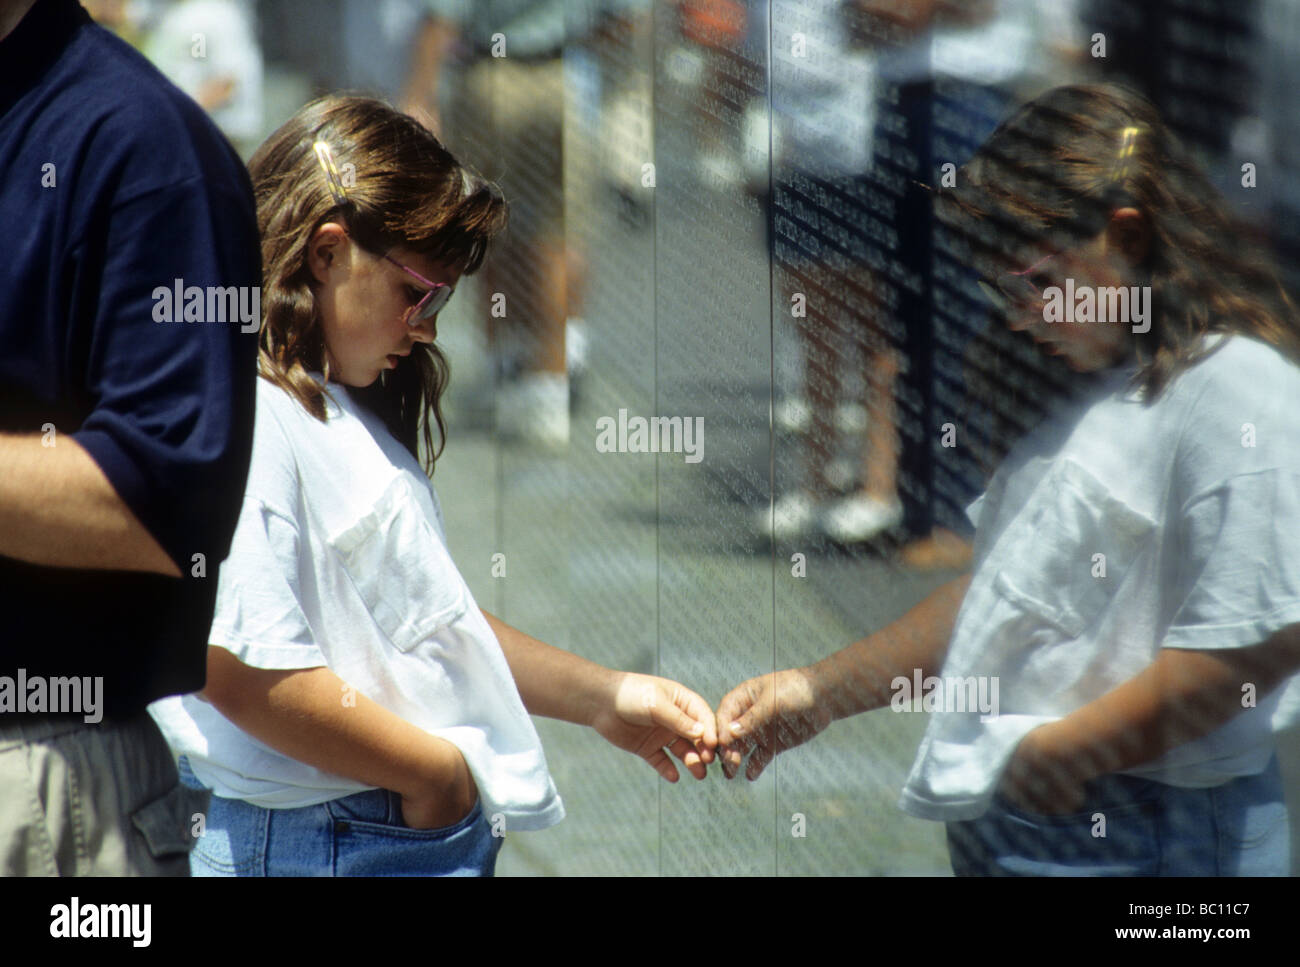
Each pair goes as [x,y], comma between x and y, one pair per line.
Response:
[340,559]
[1112,532]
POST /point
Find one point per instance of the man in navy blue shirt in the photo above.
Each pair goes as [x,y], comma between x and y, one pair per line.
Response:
[125,434]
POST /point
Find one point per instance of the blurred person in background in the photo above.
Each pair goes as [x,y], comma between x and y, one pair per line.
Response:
[821,117]
[944,75]
[493,73]
[209,49]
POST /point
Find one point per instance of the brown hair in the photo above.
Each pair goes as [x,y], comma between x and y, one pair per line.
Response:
[1059,167]
[399,186]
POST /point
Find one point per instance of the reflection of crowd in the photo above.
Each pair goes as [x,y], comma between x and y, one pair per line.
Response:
[868,100]
[853,102]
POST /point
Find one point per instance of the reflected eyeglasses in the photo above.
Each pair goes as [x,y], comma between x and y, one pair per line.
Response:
[1013,288]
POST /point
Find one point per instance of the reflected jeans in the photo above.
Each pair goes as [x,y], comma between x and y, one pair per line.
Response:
[357,835]
[1150,829]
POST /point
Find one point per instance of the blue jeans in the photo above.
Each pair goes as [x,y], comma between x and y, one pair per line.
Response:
[358,835]
[1151,829]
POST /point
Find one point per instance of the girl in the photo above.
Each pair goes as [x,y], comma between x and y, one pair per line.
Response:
[362,715]
[1136,590]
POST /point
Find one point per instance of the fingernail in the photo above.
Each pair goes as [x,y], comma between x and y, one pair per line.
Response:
[737,728]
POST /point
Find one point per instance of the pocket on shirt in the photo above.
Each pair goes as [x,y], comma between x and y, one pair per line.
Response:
[401,569]
[1050,566]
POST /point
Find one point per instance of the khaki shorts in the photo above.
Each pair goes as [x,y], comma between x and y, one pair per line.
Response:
[508,117]
[92,800]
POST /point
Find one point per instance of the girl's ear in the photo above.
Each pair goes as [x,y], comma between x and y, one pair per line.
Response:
[326,246]
[1129,233]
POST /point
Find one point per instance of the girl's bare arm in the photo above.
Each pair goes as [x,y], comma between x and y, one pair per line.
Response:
[1183,695]
[313,716]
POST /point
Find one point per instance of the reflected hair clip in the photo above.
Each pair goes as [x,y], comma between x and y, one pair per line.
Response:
[332,178]
[1127,147]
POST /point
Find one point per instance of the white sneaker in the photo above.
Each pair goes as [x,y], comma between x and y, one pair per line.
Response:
[536,409]
[840,474]
[861,518]
[576,346]
[792,415]
[851,418]
[791,516]
[720,171]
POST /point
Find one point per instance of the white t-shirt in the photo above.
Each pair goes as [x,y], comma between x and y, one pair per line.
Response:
[1194,502]
[339,559]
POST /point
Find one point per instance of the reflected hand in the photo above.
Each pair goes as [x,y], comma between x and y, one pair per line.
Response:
[766,716]
[646,714]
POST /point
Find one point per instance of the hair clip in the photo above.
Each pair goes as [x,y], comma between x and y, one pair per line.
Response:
[1127,146]
[326,159]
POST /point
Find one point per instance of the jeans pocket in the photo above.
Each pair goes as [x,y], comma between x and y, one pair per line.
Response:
[471,817]
[367,848]
[1254,826]
[27,847]
[1116,839]
[233,841]
[381,811]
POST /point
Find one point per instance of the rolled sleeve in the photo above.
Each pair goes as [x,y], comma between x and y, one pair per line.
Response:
[259,617]
[1240,562]
[171,402]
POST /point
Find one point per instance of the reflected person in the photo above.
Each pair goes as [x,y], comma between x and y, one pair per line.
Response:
[1135,592]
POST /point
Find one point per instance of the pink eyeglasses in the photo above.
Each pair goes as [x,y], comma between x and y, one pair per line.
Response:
[434,300]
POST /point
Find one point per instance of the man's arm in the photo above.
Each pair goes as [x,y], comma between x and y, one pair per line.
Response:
[12,13]
[58,509]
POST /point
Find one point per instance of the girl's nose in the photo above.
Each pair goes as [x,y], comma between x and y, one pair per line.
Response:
[425,331]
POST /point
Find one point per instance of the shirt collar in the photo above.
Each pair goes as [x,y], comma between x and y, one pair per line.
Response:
[35,44]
